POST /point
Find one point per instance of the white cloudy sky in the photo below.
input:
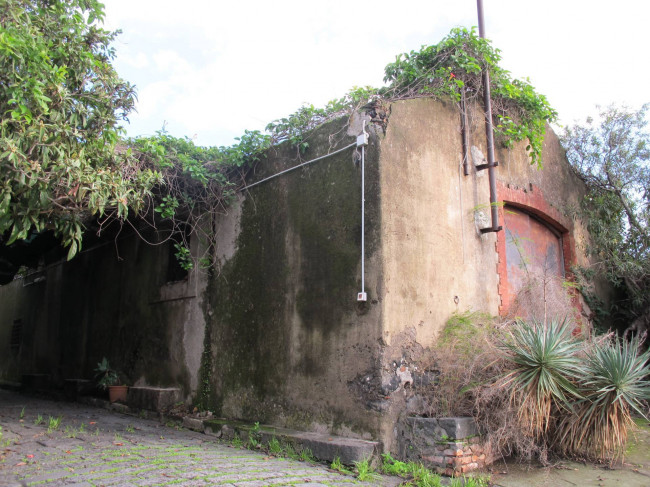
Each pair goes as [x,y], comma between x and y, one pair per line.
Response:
[210,68]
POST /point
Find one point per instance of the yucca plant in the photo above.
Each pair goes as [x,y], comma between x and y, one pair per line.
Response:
[614,384]
[545,370]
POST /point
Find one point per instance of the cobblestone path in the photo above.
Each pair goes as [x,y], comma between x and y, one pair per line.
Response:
[92,446]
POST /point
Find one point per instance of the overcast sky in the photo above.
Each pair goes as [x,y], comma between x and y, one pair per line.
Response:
[210,69]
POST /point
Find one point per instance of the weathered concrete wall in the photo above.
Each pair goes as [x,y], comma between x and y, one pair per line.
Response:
[289,342]
[435,260]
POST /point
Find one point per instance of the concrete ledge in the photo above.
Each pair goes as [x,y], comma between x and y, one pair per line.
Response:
[153,398]
[323,447]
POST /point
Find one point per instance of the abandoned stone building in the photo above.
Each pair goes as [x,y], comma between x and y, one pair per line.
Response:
[278,333]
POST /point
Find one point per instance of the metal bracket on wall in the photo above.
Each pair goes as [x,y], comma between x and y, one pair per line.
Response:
[490,229]
[480,167]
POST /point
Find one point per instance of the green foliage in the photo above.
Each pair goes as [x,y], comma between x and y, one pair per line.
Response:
[60,104]
[364,470]
[53,424]
[306,455]
[339,467]
[611,155]
[462,327]
[574,395]
[38,420]
[275,447]
[63,165]
[454,66]
[546,367]
[421,476]
[196,183]
[254,437]
[295,127]
[105,375]
[480,481]
[392,466]
[3,443]
[61,159]
[236,441]
[183,256]
[290,451]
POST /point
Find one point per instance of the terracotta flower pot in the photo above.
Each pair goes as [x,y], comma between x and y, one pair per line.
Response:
[117,393]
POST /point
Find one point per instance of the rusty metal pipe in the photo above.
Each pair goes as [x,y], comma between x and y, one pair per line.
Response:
[489,132]
[465,133]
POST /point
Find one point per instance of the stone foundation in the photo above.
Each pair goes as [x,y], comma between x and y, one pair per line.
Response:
[450,446]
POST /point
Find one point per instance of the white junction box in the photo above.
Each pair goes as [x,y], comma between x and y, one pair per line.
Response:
[362,297]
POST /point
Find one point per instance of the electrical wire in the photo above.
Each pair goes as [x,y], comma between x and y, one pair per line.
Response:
[353,144]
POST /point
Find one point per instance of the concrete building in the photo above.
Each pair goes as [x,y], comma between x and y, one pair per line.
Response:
[276,334]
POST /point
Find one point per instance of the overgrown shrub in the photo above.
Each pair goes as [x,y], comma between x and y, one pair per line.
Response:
[613,385]
[545,368]
[462,359]
[537,388]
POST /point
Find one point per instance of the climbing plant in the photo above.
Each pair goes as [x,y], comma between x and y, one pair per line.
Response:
[196,184]
[446,70]
[454,67]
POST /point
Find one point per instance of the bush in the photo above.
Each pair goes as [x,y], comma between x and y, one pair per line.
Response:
[545,369]
[613,385]
[573,395]
[534,387]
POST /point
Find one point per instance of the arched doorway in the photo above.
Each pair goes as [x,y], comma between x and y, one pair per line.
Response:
[534,255]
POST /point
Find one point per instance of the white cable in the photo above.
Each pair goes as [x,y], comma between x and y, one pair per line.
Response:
[353,144]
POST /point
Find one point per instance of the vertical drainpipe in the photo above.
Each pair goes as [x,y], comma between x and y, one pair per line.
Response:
[489,133]
[465,132]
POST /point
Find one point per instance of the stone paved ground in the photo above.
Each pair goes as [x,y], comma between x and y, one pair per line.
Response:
[92,446]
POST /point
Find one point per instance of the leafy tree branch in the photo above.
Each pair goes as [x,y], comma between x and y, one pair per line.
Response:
[612,156]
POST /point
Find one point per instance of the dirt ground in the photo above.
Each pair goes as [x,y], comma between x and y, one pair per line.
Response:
[634,472]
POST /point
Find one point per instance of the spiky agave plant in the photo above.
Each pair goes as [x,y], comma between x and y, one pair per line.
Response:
[545,359]
[614,385]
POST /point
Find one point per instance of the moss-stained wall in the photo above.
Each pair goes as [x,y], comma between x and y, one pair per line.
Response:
[287,334]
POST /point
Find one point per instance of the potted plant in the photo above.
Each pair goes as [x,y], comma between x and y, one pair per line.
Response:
[108,378]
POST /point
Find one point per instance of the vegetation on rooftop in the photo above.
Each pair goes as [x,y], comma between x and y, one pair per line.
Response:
[66,167]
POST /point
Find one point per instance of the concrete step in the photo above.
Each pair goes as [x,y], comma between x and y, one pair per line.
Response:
[323,447]
[153,398]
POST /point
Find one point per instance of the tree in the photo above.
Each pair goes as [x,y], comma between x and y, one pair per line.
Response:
[61,102]
[612,156]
